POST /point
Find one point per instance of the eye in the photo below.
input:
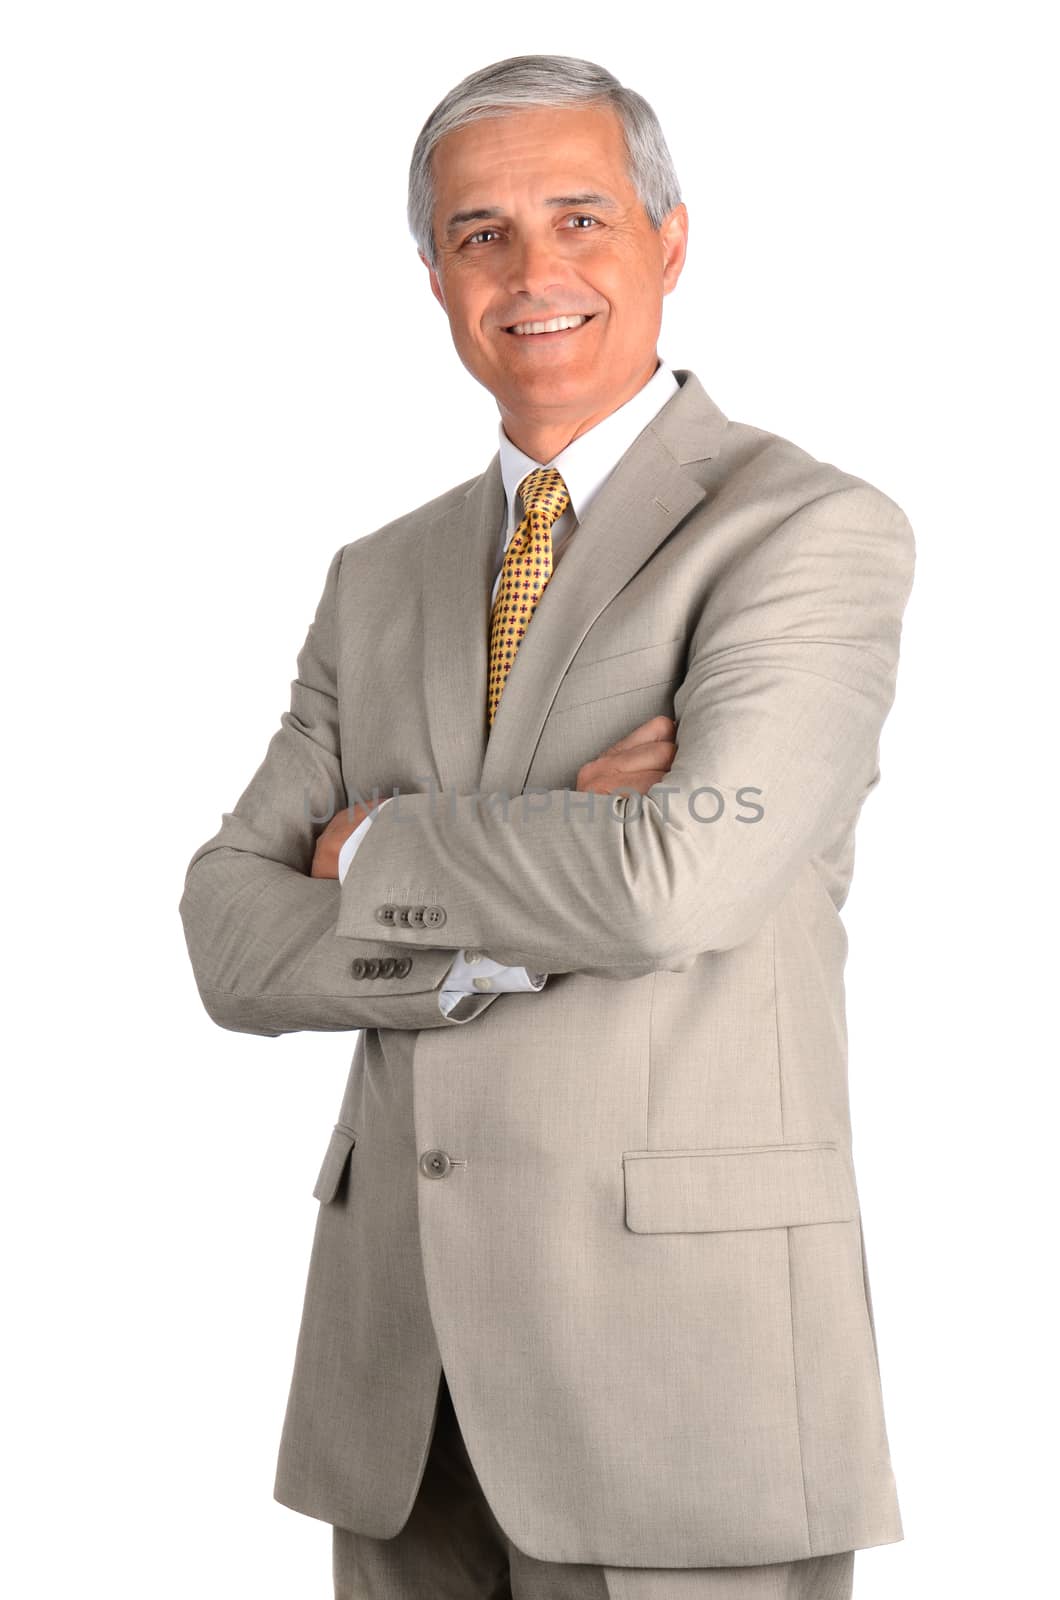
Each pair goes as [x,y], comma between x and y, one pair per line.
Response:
[577,217]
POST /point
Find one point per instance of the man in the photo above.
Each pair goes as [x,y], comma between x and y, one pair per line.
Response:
[587,1310]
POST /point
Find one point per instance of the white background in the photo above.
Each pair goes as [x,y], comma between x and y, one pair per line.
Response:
[218,351]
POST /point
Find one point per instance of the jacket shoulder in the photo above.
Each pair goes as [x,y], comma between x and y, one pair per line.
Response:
[402,535]
[757,463]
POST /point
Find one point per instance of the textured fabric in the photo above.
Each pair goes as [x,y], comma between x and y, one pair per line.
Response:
[622,1212]
[525,572]
[460,979]
[453,1548]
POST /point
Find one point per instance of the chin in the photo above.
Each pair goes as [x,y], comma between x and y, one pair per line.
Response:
[572,376]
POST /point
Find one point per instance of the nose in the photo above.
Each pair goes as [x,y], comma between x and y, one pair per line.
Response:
[533,273]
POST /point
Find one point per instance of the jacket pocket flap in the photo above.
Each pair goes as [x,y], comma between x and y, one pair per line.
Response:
[742,1186]
[342,1141]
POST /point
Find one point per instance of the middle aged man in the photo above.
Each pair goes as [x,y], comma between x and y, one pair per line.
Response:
[593,1157]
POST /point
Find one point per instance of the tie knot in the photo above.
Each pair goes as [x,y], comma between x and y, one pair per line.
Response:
[545,496]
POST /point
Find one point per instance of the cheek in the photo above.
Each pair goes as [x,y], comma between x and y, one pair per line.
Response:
[465,321]
[634,270]
[619,287]
[472,309]
[464,297]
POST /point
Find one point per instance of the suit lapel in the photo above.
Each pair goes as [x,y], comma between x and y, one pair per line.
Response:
[458,559]
[642,501]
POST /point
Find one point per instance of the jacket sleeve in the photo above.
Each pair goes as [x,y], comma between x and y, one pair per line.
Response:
[791,673]
[468,967]
[261,933]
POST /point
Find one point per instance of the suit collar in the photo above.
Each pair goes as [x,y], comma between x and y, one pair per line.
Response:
[643,499]
[587,461]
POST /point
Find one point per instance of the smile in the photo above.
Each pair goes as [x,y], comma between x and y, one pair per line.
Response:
[555,328]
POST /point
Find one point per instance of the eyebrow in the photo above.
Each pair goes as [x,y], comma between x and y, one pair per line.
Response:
[485,213]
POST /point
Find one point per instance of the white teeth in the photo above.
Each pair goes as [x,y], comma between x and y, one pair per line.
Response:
[549,327]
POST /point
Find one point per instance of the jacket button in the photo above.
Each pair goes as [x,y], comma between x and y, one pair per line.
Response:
[387,913]
[433,916]
[434,1163]
[357,967]
[471,956]
[371,967]
[402,966]
[386,967]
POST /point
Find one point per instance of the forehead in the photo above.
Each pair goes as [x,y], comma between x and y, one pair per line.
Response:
[564,148]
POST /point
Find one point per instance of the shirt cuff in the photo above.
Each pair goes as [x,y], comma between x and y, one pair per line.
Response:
[352,844]
[473,972]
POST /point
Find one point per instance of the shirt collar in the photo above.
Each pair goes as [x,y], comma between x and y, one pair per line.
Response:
[588,461]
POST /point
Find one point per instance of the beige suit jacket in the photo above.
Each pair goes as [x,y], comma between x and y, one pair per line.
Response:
[621,1211]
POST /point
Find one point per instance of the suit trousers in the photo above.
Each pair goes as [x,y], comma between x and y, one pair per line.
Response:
[453,1548]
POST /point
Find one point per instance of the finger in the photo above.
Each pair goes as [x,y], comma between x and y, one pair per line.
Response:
[639,756]
[642,782]
[655,728]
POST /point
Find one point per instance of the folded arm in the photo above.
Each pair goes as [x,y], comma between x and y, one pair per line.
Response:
[791,674]
[260,931]
[472,971]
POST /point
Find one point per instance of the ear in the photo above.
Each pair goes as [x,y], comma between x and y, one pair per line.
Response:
[673,234]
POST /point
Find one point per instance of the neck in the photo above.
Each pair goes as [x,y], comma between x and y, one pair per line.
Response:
[543,438]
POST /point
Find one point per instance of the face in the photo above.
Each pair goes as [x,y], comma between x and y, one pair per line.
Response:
[537,247]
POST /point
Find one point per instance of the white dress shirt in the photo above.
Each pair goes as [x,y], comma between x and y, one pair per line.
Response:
[585,465]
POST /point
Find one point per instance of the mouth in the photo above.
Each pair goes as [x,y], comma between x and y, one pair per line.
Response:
[548,332]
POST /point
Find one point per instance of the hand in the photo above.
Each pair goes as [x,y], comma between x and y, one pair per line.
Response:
[334,836]
[635,762]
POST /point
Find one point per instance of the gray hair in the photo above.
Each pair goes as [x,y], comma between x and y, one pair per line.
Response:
[506,86]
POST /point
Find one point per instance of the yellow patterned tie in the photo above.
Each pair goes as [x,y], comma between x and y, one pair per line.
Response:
[526,570]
